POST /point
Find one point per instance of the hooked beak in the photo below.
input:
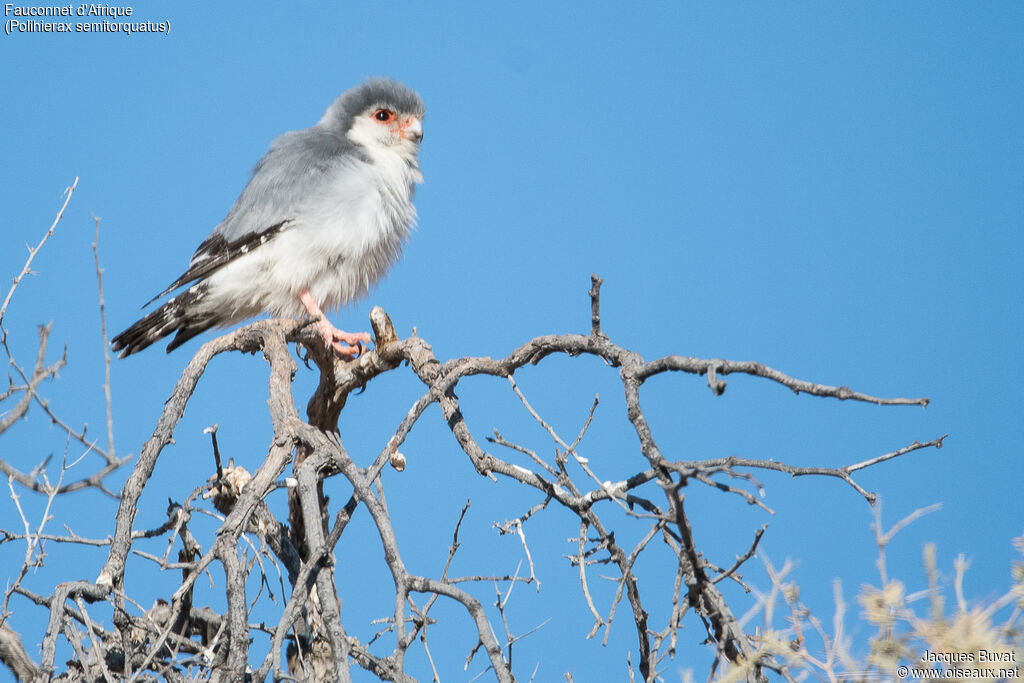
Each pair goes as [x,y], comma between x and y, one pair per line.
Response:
[412,129]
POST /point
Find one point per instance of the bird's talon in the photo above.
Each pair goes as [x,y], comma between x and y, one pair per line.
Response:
[351,351]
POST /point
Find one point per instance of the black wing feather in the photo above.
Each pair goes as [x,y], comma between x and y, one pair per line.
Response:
[173,315]
[216,252]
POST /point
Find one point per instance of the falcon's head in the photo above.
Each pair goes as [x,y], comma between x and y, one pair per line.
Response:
[379,115]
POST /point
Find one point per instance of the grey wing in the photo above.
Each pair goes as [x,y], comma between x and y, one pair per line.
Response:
[287,175]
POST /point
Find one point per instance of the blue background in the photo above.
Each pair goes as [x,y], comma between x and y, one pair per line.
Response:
[834,189]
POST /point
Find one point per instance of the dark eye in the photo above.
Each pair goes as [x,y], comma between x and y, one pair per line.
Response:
[383,115]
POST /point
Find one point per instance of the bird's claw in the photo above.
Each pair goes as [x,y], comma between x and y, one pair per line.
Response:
[348,344]
[349,351]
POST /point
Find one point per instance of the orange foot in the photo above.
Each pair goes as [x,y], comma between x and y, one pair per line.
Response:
[349,344]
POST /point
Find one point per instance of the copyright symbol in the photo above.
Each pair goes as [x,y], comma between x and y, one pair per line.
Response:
[902,671]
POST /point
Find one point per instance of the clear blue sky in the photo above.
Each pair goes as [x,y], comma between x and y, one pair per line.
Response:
[834,189]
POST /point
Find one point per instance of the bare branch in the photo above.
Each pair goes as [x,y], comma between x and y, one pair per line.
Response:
[27,268]
[316,643]
[111,456]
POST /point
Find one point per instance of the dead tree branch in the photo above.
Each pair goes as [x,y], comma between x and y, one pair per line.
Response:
[311,641]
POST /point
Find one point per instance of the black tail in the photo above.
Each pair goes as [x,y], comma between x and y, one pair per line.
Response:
[177,315]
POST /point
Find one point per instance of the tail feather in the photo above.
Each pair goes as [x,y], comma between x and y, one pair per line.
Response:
[177,315]
[190,330]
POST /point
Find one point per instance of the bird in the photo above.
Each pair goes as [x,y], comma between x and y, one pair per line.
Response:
[322,219]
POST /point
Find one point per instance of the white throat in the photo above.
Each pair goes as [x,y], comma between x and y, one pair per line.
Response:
[394,154]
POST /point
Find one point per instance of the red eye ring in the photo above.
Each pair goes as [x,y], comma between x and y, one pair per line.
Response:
[384,115]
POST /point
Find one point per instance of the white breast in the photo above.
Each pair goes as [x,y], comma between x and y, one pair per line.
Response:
[343,240]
